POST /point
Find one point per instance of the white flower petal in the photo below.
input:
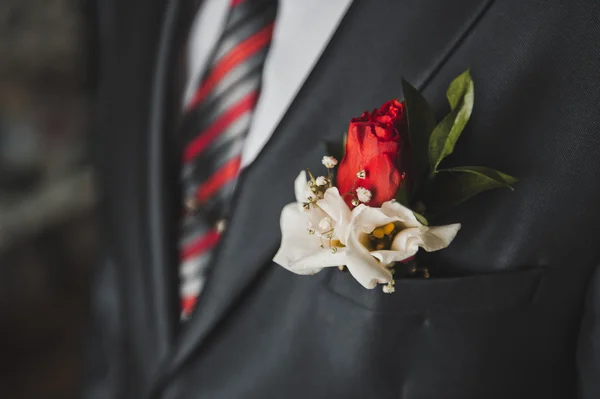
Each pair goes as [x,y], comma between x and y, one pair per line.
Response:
[367,270]
[439,237]
[333,205]
[367,219]
[314,216]
[323,257]
[402,213]
[429,238]
[301,189]
[387,257]
[408,240]
[296,243]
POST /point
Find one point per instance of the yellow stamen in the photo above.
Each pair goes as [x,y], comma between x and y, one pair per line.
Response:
[388,228]
[378,232]
[336,243]
[380,246]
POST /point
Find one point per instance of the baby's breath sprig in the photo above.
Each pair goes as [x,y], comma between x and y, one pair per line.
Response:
[310,201]
[318,185]
[359,194]
[330,163]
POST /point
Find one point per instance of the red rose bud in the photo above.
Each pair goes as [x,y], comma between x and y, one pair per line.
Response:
[375,142]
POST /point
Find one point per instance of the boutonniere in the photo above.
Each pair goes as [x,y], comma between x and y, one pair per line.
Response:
[370,213]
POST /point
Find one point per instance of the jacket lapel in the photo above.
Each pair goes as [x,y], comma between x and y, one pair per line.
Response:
[137,164]
[361,68]
[163,166]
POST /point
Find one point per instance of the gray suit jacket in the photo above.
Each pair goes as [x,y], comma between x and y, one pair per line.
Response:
[513,311]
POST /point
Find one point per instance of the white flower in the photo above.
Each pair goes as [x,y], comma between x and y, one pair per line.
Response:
[389,288]
[329,162]
[326,224]
[349,245]
[363,194]
[362,174]
[302,190]
[297,244]
[322,181]
[410,234]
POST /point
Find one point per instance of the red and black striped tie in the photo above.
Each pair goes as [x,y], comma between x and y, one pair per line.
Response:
[215,123]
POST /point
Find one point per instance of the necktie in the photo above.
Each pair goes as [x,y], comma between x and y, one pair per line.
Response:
[213,128]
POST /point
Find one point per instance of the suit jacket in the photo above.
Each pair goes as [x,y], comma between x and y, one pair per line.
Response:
[514,309]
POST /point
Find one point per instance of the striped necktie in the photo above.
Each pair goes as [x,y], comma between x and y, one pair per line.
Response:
[215,122]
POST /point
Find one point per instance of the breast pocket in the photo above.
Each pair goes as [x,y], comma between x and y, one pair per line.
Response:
[484,292]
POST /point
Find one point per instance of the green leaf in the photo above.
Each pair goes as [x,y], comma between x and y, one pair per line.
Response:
[422,219]
[455,185]
[445,135]
[458,88]
[421,122]
[402,195]
[502,179]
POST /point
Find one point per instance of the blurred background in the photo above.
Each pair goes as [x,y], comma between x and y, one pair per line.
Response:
[48,237]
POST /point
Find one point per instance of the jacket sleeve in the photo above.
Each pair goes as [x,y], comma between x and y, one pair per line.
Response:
[102,360]
[588,351]
[100,369]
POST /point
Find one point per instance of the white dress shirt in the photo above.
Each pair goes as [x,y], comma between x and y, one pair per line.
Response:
[302,30]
